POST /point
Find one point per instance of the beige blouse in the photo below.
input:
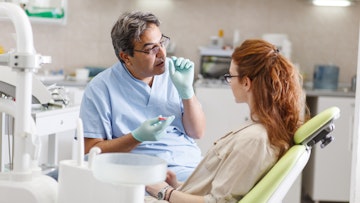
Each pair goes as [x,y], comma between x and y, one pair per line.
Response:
[232,166]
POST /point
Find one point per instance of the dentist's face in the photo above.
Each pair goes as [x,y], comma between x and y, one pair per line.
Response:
[149,56]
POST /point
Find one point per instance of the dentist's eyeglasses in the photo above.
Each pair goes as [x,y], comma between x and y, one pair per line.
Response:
[164,42]
[228,77]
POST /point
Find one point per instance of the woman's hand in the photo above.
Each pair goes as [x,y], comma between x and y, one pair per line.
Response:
[153,190]
[171,179]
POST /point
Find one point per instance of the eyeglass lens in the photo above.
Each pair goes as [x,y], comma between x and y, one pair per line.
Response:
[227,78]
[164,42]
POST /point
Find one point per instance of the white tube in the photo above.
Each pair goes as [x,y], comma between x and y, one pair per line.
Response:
[23,111]
[80,141]
[93,152]
[24,34]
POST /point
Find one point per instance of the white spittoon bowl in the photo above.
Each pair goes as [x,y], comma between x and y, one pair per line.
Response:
[129,169]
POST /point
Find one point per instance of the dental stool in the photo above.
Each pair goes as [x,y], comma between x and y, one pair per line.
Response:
[273,187]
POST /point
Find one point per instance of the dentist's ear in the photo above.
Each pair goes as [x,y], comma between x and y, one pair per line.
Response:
[125,57]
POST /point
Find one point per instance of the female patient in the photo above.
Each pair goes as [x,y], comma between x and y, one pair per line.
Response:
[271,86]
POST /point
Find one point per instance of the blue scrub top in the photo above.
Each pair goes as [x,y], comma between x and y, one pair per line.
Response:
[115,103]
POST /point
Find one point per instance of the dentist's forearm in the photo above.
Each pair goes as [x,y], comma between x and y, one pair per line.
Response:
[193,118]
[125,143]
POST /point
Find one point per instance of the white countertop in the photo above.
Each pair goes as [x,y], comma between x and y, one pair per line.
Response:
[61,80]
[342,92]
[329,93]
[206,51]
[66,83]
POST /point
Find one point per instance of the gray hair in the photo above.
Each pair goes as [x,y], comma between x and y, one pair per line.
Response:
[128,29]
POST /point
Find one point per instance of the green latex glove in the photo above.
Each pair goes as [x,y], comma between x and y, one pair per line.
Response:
[182,75]
[152,129]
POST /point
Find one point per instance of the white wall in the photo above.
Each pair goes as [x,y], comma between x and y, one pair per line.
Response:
[355,169]
[318,34]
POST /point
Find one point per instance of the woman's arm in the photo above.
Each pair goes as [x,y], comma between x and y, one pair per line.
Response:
[180,197]
[172,195]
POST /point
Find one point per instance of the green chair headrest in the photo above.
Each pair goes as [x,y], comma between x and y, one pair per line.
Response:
[310,128]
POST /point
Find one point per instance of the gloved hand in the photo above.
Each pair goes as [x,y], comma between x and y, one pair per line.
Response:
[152,129]
[182,75]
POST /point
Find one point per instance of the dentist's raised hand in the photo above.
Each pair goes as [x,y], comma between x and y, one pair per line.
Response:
[152,129]
[182,75]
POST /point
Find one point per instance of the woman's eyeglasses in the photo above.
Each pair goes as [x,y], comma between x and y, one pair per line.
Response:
[228,77]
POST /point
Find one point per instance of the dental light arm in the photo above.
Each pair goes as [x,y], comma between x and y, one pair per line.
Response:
[24,61]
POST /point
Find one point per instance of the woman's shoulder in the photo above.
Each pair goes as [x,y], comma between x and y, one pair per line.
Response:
[251,133]
[251,127]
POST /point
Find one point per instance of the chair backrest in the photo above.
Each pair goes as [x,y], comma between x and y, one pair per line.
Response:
[273,187]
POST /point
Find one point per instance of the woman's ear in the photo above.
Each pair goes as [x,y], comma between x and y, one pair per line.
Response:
[247,83]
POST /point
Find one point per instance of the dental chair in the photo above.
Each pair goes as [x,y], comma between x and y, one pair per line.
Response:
[273,187]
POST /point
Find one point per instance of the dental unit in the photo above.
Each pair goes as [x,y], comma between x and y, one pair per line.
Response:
[23,183]
[115,177]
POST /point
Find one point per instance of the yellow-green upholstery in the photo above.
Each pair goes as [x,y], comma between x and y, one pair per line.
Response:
[273,187]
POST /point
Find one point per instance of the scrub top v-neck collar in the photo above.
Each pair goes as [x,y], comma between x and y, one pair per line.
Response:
[151,91]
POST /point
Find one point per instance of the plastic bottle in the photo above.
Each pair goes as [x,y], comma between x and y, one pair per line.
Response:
[2,50]
[221,38]
[236,38]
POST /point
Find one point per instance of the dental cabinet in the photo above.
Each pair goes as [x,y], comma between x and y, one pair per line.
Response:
[59,125]
[327,175]
[54,126]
